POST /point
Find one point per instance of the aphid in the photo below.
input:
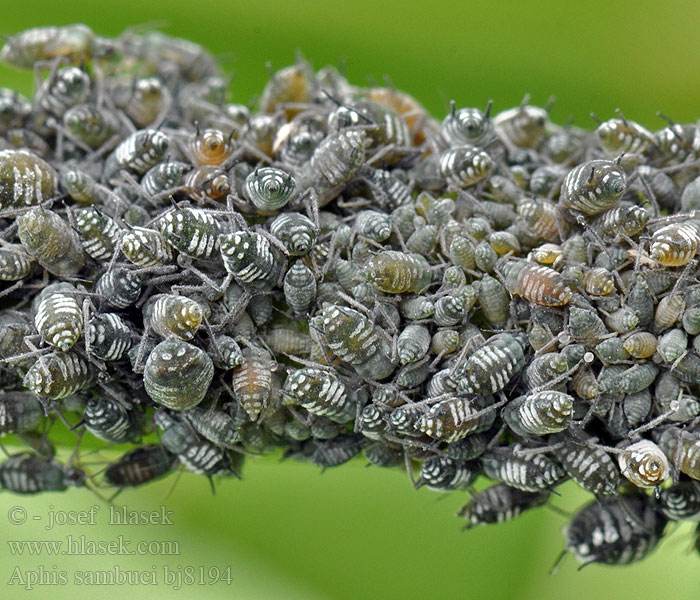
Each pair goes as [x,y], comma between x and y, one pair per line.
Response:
[499,503]
[541,285]
[540,413]
[146,247]
[137,153]
[384,455]
[598,282]
[691,320]
[107,419]
[675,245]
[28,473]
[147,98]
[612,351]
[215,425]
[504,242]
[644,464]
[19,412]
[593,187]
[416,308]
[249,257]
[15,263]
[585,326]
[683,449]
[589,465]
[139,466]
[675,142]
[170,315]
[91,125]
[118,287]
[615,531]
[299,289]
[620,135]
[449,310]
[494,301]
[293,84]
[59,374]
[373,225]
[396,272]
[253,382]
[668,311]
[207,183]
[270,188]
[177,375]
[531,473]
[59,319]
[623,218]
[672,345]
[641,345]
[455,418]
[14,109]
[296,232]
[463,166]
[467,126]
[191,231]
[681,501]
[335,452]
[25,179]
[524,125]
[70,42]
[462,252]
[108,336]
[445,341]
[489,368]
[444,474]
[98,233]
[164,176]
[66,88]
[321,393]
[637,378]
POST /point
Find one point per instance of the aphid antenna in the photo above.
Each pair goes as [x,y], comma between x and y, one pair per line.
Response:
[558,561]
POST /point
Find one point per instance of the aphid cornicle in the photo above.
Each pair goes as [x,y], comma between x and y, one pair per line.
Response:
[25,179]
[28,473]
[616,530]
[139,466]
[270,188]
[191,231]
[98,232]
[177,374]
[499,503]
[19,412]
[464,166]
[397,272]
[109,336]
[107,419]
[59,374]
[592,187]
[527,473]
[489,368]
[541,285]
[540,413]
[170,315]
[59,318]
[675,245]
[249,257]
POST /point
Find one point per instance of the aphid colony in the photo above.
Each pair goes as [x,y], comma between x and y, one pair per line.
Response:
[338,273]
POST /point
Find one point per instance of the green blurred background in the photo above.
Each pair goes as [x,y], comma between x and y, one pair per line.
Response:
[286,530]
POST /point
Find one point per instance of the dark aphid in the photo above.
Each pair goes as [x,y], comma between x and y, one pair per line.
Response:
[71,42]
[675,245]
[270,188]
[455,418]
[249,257]
[541,285]
[146,247]
[25,179]
[321,393]
[623,218]
[108,336]
[621,135]
[593,187]
[413,343]
[164,176]
[467,126]
[494,301]
[91,125]
[296,232]
[215,425]
[15,263]
[589,465]
[530,473]
[417,308]
[14,109]
[540,413]
[463,166]
[384,455]
[108,419]
[225,352]
[586,327]
[62,90]
[644,464]
[373,421]
[681,501]
[59,318]
[139,466]
[499,503]
[544,368]
[523,125]
[19,412]
[444,474]
[59,374]
[169,315]
[119,287]
[137,153]
[489,368]
[675,142]
[191,231]
[373,224]
[335,452]
[28,473]
[299,289]
[397,272]
[99,234]
[672,344]
[253,382]
[177,374]
[615,531]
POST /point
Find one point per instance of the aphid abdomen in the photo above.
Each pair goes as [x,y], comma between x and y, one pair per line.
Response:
[499,503]
[541,285]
